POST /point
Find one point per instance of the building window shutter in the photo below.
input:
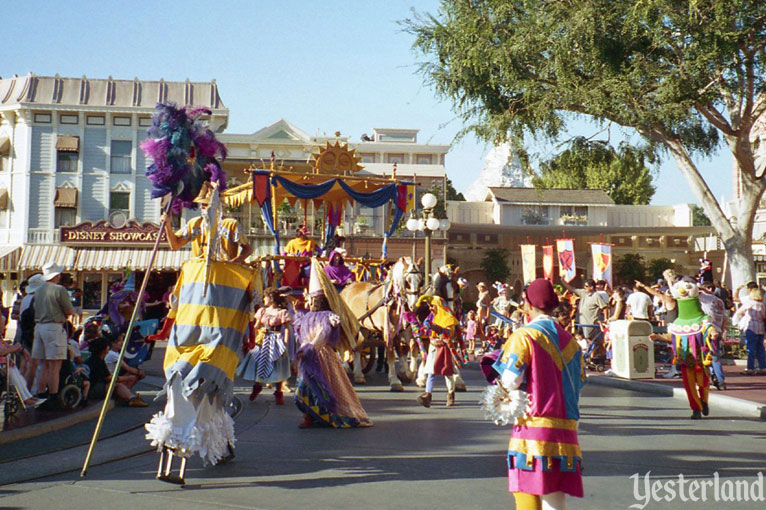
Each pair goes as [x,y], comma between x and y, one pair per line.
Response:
[66,197]
[68,143]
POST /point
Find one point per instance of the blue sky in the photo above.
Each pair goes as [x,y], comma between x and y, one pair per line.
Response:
[323,66]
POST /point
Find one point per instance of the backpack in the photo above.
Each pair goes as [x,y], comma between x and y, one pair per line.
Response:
[27,325]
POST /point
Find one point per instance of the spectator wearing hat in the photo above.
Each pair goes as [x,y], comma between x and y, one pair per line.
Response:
[542,359]
[234,246]
[52,308]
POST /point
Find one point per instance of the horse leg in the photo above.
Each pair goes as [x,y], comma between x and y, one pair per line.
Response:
[358,375]
[393,379]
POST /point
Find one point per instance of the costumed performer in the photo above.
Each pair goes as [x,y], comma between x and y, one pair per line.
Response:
[441,325]
[301,246]
[692,335]
[211,301]
[325,395]
[268,359]
[233,244]
[543,360]
[340,275]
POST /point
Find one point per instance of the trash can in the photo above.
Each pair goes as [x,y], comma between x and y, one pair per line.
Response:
[632,349]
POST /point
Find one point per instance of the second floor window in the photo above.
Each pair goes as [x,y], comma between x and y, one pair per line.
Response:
[535,215]
[66,161]
[119,201]
[65,216]
[120,156]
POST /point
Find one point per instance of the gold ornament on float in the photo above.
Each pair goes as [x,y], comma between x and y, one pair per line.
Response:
[336,159]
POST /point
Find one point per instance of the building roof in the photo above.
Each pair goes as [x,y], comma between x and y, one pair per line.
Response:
[550,196]
[88,92]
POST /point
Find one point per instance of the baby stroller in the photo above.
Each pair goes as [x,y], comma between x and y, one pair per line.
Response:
[70,387]
[10,398]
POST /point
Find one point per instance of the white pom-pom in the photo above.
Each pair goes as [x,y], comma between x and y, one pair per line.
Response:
[503,407]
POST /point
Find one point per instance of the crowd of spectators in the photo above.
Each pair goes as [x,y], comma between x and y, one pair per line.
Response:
[52,347]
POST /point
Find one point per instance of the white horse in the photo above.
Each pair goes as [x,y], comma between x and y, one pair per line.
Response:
[380,308]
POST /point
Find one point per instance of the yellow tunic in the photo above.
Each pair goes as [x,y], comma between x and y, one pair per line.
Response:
[196,233]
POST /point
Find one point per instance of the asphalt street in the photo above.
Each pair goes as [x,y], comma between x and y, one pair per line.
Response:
[412,458]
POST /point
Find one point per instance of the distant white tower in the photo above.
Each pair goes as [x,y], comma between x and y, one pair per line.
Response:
[502,168]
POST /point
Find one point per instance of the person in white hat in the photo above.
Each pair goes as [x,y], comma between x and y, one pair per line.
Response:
[52,308]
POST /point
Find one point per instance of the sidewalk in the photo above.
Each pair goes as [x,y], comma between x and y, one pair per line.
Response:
[32,422]
[744,394]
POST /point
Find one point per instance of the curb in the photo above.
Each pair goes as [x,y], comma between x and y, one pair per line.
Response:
[739,406]
[38,429]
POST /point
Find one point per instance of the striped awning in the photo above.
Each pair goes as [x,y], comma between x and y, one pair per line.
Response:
[9,257]
[106,259]
[35,256]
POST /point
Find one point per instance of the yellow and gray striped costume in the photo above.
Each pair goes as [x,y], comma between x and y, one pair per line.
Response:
[205,343]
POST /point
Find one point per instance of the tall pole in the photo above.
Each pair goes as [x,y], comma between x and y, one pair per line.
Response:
[427,232]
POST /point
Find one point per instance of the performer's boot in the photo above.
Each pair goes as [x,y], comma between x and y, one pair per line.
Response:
[425,399]
[307,422]
[257,388]
[279,398]
[450,399]
[705,409]
[696,415]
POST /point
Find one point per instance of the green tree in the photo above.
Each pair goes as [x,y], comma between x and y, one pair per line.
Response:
[656,266]
[452,193]
[629,268]
[588,164]
[495,265]
[683,75]
[699,218]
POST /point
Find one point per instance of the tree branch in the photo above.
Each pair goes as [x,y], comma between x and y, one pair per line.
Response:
[715,118]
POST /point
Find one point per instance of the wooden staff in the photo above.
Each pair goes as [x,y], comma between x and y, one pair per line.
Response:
[112,382]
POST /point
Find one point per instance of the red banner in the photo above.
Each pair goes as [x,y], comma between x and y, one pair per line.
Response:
[548,262]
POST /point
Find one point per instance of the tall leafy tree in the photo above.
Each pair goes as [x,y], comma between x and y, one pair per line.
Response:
[684,75]
[630,267]
[495,265]
[588,164]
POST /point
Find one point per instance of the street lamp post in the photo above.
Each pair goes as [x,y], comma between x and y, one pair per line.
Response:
[428,224]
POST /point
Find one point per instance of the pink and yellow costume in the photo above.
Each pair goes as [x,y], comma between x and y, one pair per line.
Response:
[543,453]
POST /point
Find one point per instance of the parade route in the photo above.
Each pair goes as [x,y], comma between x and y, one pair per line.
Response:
[412,458]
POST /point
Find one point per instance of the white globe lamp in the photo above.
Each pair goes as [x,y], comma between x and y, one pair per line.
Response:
[421,224]
[412,224]
[432,224]
[428,201]
[444,224]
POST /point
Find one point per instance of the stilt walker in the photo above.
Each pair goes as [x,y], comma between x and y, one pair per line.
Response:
[186,156]
[211,302]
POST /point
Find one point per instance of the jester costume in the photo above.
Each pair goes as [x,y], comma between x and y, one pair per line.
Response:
[440,325]
[544,454]
[692,335]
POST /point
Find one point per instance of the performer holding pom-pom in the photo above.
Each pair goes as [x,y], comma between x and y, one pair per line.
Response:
[539,374]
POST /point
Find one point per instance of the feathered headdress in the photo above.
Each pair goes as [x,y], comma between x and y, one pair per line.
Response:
[184,152]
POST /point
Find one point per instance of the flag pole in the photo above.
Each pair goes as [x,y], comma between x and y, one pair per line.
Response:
[113,380]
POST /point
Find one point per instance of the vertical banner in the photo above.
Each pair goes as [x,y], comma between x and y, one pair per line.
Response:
[602,262]
[548,262]
[528,269]
[567,268]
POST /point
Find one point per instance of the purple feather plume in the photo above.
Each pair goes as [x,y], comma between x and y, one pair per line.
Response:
[182,150]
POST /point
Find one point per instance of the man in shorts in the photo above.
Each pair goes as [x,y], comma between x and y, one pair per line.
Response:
[52,308]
